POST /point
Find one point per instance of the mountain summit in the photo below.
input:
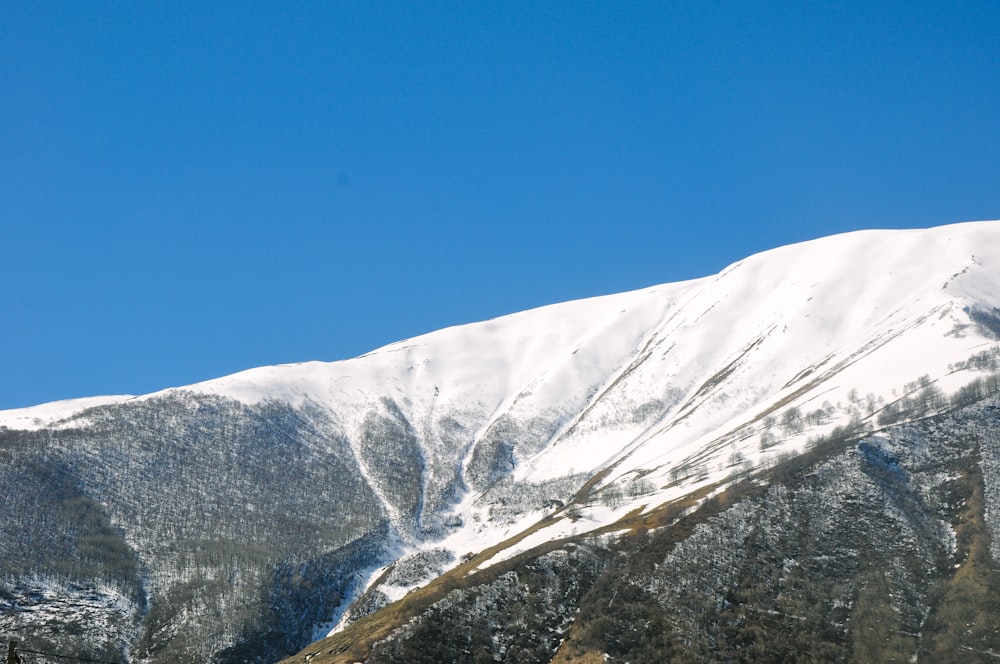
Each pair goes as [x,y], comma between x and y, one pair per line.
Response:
[239,518]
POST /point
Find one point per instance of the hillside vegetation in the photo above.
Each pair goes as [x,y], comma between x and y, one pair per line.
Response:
[871,547]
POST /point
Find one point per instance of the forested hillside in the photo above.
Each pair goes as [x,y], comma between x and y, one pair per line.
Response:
[870,547]
[192,528]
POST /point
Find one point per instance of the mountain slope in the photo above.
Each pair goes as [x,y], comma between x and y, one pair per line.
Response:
[456,441]
[869,548]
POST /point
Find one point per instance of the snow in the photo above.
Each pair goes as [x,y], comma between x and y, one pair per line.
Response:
[33,605]
[54,413]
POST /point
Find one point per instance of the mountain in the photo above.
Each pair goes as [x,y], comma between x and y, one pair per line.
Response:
[523,470]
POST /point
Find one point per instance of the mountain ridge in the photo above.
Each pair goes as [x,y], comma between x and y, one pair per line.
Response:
[459,439]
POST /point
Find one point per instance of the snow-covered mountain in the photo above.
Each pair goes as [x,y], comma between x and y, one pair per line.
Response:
[545,423]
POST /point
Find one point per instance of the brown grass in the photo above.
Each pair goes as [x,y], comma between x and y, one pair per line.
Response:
[965,624]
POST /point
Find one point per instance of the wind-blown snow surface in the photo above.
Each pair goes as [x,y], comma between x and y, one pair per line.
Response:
[671,382]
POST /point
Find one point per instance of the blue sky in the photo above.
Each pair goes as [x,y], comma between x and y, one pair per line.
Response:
[188,189]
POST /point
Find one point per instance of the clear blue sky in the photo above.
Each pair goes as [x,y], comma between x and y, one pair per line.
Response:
[188,189]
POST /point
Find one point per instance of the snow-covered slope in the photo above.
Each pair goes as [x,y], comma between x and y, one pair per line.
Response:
[868,310]
[54,413]
[666,388]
